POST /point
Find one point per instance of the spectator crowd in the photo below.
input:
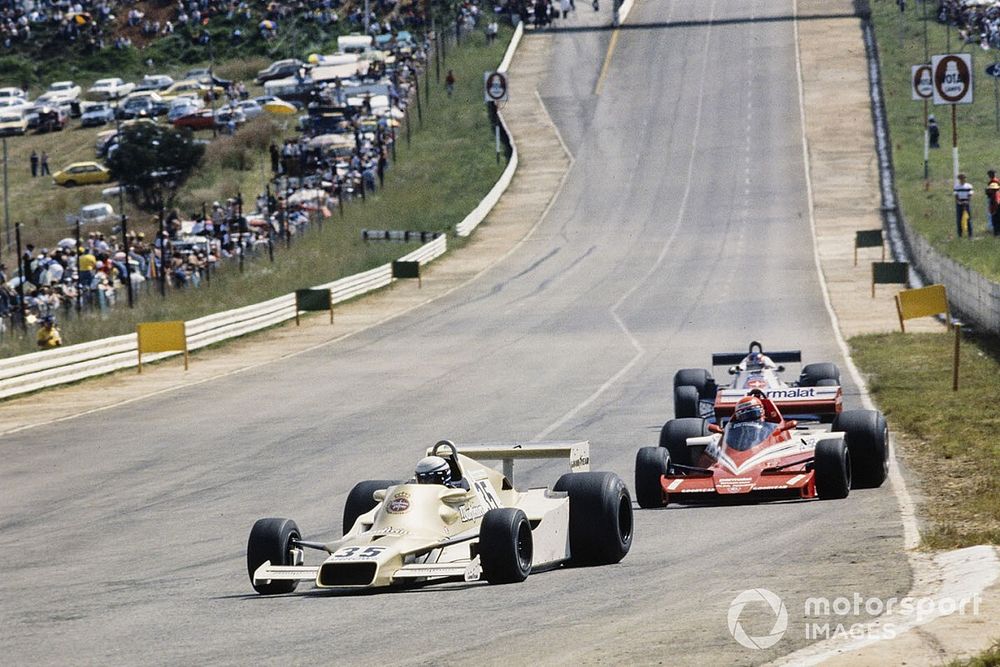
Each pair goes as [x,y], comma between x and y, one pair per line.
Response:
[344,151]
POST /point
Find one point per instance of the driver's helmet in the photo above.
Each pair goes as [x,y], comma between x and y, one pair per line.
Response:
[433,470]
[749,409]
[757,361]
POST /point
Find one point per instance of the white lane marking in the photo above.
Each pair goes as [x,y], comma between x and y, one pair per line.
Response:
[387,318]
[958,574]
[681,210]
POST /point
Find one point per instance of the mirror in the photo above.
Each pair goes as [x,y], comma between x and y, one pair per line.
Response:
[715,428]
[379,495]
[789,425]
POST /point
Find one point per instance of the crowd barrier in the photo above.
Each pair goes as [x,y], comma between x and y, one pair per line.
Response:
[39,370]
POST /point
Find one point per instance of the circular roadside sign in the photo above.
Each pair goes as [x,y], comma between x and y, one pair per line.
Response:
[952,79]
[496,87]
[923,82]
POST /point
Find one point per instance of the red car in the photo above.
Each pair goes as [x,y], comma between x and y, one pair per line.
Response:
[205,119]
[763,457]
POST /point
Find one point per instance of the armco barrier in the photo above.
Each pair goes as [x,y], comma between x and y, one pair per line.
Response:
[39,370]
[479,213]
[970,294]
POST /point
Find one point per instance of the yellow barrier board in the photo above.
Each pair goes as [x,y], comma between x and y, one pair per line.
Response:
[923,302]
[162,337]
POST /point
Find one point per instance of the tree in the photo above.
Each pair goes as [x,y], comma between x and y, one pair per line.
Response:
[151,162]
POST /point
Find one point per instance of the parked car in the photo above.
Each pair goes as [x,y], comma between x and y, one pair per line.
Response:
[154,82]
[82,173]
[183,106]
[250,109]
[186,87]
[52,119]
[13,93]
[13,122]
[66,90]
[144,104]
[279,69]
[206,76]
[108,89]
[205,119]
[96,213]
[97,113]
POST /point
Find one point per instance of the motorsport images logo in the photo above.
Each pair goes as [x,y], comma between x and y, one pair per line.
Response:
[757,597]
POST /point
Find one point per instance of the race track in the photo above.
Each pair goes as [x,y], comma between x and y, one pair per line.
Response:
[682,229]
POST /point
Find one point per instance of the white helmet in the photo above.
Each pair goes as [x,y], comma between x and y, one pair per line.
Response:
[433,470]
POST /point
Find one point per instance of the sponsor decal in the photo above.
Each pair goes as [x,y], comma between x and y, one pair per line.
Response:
[471,511]
[792,392]
[734,484]
[399,503]
[389,531]
[582,461]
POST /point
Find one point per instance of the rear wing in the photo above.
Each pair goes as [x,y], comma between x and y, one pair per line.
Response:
[577,451]
[796,402]
[733,358]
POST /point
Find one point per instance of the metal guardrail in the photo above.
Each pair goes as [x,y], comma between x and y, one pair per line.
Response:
[39,370]
[479,213]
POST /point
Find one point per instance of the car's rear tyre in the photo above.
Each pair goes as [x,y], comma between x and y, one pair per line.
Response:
[833,469]
[70,184]
[699,378]
[674,435]
[505,546]
[813,373]
[867,437]
[271,540]
[600,517]
[686,402]
[651,463]
[360,501]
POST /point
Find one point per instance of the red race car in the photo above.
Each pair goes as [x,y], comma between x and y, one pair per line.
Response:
[758,454]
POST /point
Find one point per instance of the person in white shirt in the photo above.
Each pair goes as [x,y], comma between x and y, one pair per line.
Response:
[963,203]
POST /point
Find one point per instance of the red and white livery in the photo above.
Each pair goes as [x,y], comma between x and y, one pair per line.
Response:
[816,395]
[765,457]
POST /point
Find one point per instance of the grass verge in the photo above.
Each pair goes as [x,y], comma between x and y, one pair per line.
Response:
[931,211]
[948,438]
[988,658]
[448,166]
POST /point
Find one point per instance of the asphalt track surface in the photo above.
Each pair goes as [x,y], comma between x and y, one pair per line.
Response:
[682,229]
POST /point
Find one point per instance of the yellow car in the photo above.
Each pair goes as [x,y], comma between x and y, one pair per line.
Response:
[82,173]
[189,87]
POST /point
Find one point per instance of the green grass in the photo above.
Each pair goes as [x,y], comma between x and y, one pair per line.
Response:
[948,438]
[931,212]
[988,658]
[435,182]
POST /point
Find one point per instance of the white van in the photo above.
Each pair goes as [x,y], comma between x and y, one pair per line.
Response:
[354,43]
[96,214]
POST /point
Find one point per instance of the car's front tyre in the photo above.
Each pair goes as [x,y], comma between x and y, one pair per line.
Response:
[505,546]
[271,540]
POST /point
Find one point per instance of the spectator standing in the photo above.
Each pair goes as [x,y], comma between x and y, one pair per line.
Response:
[492,30]
[449,82]
[45,164]
[933,132]
[963,205]
[993,201]
[49,336]
[34,164]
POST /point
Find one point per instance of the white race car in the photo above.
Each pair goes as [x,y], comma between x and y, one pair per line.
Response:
[816,396]
[476,525]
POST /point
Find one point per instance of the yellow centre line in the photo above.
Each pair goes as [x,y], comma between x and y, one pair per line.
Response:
[607,62]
